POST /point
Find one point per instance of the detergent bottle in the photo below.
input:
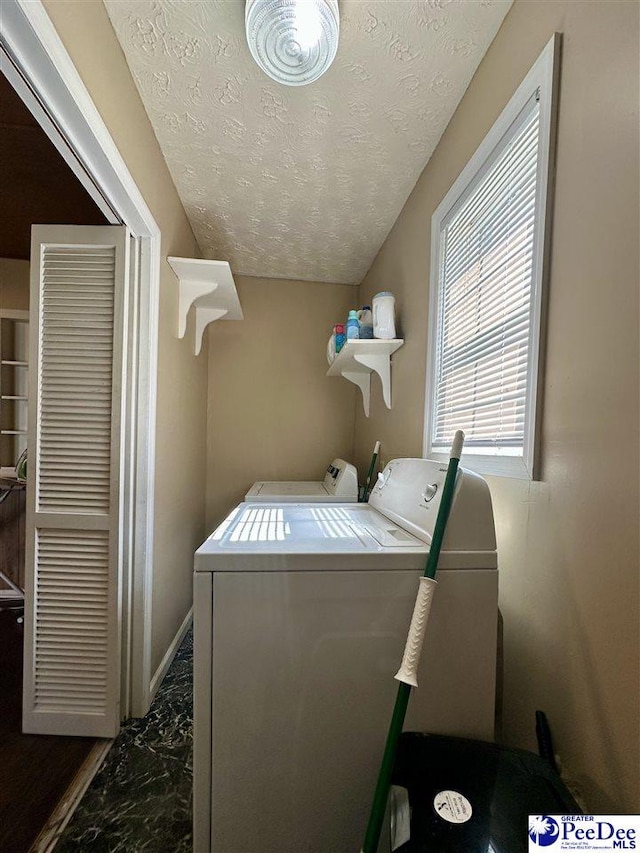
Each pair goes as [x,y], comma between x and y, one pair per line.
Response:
[365,317]
[353,326]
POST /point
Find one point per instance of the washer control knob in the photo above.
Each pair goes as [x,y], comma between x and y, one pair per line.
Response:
[430,492]
[383,479]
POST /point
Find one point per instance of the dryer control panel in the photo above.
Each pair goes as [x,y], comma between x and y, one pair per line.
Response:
[341,479]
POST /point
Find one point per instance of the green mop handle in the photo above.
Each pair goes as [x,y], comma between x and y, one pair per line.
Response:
[367,484]
[406,674]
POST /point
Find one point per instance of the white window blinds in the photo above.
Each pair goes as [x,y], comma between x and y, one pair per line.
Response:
[485,299]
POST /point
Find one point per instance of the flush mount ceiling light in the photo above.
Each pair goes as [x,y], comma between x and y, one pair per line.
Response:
[293,41]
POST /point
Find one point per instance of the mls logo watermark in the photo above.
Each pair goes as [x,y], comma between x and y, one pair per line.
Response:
[583,832]
[543,831]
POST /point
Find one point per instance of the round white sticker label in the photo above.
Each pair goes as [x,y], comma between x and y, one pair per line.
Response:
[452,806]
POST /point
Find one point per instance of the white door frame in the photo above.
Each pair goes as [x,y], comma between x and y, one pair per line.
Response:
[35,61]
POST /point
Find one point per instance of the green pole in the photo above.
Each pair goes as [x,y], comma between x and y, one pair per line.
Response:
[379,805]
[367,485]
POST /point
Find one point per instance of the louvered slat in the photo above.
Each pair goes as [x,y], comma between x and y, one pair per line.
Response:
[74,472]
[66,671]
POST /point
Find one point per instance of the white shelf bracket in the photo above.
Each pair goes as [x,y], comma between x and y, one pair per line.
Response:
[358,359]
[363,381]
[380,364]
[189,291]
[209,287]
[204,316]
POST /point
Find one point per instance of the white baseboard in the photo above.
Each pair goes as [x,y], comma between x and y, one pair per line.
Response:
[165,663]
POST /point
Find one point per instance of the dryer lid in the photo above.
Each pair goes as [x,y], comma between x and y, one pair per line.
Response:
[276,490]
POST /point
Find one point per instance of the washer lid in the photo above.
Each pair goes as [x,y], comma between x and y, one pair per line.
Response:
[302,537]
[307,528]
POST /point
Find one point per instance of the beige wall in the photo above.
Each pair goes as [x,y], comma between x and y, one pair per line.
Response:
[568,545]
[85,29]
[273,412]
[14,284]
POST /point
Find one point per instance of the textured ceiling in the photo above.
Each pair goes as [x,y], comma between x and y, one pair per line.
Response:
[301,182]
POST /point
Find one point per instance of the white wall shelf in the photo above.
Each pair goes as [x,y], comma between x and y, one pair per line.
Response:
[14,348]
[357,360]
[210,288]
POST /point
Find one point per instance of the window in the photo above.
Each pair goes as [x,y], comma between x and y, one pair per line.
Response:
[488,267]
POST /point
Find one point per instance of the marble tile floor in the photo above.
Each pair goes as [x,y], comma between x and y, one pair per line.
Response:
[140,800]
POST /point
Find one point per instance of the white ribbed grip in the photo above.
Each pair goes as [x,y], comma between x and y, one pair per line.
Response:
[413,649]
[456,447]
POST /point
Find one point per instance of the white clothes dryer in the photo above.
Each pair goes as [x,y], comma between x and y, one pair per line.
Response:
[301,616]
[340,484]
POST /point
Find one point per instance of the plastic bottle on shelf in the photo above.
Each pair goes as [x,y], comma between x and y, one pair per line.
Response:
[331,349]
[353,326]
[384,321]
[338,331]
[365,318]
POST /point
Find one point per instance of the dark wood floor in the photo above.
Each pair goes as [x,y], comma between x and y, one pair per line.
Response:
[12,520]
[35,771]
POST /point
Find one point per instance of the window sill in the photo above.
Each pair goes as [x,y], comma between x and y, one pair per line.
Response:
[494,466]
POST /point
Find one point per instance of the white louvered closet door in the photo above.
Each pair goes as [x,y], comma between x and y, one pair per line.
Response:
[72,601]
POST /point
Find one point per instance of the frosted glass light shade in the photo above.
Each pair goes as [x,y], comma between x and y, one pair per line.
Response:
[293,41]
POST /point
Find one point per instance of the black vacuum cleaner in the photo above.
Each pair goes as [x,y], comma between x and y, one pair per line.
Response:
[468,796]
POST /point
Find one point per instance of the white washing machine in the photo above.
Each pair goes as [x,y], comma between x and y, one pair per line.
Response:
[340,484]
[301,616]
